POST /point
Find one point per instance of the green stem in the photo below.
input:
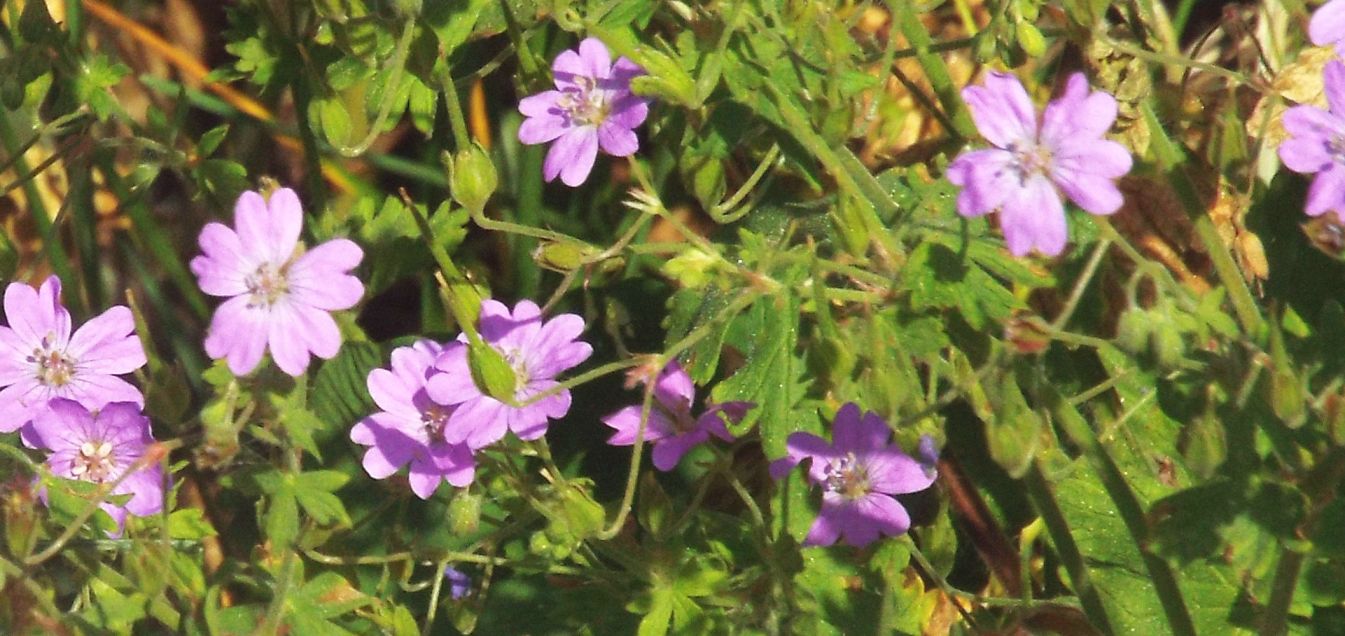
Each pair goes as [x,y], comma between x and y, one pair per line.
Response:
[903,14]
[1081,285]
[723,212]
[1039,492]
[398,66]
[1275,620]
[1129,508]
[60,261]
[1170,157]
[438,578]
[456,119]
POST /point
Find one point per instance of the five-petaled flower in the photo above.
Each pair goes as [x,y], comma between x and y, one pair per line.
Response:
[535,349]
[101,447]
[591,107]
[670,427]
[1020,176]
[40,359]
[410,428]
[858,472]
[279,295]
[1327,26]
[1317,145]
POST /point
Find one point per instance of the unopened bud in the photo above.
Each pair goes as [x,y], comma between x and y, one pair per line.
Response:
[1028,334]
[473,178]
[464,513]
[1030,39]
[491,372]
[563,256]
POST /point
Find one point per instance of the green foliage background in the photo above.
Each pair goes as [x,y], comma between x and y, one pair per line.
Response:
[1136,439]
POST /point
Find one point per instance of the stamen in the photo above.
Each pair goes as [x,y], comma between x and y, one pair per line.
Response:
[51,367]
[267,285]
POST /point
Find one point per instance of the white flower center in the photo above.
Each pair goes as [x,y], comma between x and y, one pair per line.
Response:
[53,368]
[94,462]
[1030,159]
[585,104]
[267,285]
[519,363]
[847,477]
[1335,146]
[434,418]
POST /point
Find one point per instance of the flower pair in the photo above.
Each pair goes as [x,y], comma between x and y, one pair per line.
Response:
[63,392]
[434,417]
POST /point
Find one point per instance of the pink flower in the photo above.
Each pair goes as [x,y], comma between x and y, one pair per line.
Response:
[858,472]
[41,360]
[671,428]
[1327,26]
[1032,162]
[1316,145]
[410,428]
[537,351]
[278,295]
[591,107]
[100,447]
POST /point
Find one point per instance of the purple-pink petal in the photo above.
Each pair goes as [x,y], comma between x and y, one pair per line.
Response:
[37,314]
[1327,26]
[1327,192]
[668,452]
[893,472]
[571,156]
[850,432]
[542,128]
[238,332]
[1002,109]
[986,178]
[596,58]
[626,422]
[319,279]
[1034,219]
[107,344]
[617,140]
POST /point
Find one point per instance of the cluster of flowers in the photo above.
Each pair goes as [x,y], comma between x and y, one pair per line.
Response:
[435,417]
[63,394]
[1316,143]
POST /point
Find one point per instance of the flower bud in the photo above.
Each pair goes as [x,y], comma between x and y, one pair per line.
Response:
[473,178]
[491,372]
[563,256]
[1027,333]
[464,513]
[1030,39]
[584,517]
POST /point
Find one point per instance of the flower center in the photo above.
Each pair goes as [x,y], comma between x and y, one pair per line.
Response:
[585,104]
[434,418]
[1030,160]
[847,477]
[1335,146]
[518,362]
[94,462]
[53,368]
[267,285]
